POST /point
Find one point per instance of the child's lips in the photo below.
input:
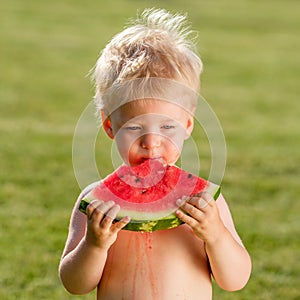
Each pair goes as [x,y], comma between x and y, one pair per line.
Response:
[153,158]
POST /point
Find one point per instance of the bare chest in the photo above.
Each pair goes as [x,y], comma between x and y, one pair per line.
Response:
[162,265]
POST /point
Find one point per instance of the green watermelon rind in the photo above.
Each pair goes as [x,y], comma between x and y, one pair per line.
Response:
[168,222]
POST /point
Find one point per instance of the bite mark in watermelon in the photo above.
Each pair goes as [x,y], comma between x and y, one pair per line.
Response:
[148,193]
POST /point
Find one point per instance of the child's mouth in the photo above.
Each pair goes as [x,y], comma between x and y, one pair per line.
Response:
[159,158]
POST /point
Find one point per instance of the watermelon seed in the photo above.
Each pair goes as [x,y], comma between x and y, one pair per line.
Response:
[144,191]
[190,175]
[137,179]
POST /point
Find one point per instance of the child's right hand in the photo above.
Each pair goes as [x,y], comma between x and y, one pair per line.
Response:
[101,231]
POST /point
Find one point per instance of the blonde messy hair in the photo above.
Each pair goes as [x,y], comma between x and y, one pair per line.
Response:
[156,45]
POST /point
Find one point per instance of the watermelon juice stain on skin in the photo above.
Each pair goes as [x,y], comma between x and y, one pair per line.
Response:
[148,244]
[143,246]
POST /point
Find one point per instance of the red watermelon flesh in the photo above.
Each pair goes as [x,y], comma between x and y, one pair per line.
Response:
[148,192]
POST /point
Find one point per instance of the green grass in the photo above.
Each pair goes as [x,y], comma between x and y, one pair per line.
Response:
[252,69]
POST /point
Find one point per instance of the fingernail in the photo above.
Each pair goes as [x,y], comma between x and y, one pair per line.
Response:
[127,219]
[179,202]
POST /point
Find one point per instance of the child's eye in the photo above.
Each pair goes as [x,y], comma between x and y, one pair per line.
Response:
[132,127]
[168,126]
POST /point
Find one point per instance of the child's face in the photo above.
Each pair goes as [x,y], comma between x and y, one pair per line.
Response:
[146,129]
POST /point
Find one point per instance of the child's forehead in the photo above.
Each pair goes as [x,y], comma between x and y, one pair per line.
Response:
[150,107]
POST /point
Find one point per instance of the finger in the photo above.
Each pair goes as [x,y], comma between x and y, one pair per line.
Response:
[105,206]
[182,200]
[116,227]
[193,211]
[202,200]
[100,209]
[91,207]
[208,197]
[113,211]
[110,216]
[198,202]
[185,218]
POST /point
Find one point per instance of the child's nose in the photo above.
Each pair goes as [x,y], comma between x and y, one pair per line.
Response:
[150,141]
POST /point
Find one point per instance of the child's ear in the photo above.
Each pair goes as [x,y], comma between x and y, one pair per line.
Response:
[106,123]
[189,127]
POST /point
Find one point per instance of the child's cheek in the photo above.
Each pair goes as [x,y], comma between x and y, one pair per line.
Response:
[176,138]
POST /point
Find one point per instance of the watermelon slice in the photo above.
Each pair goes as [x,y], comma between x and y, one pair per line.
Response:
[148,193]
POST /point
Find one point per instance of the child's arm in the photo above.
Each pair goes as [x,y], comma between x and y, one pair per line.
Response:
[89,239]
[212,222]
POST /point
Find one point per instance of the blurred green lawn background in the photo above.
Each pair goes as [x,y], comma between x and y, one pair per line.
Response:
[251,52]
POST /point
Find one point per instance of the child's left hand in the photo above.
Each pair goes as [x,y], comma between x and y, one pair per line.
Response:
[201,213]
